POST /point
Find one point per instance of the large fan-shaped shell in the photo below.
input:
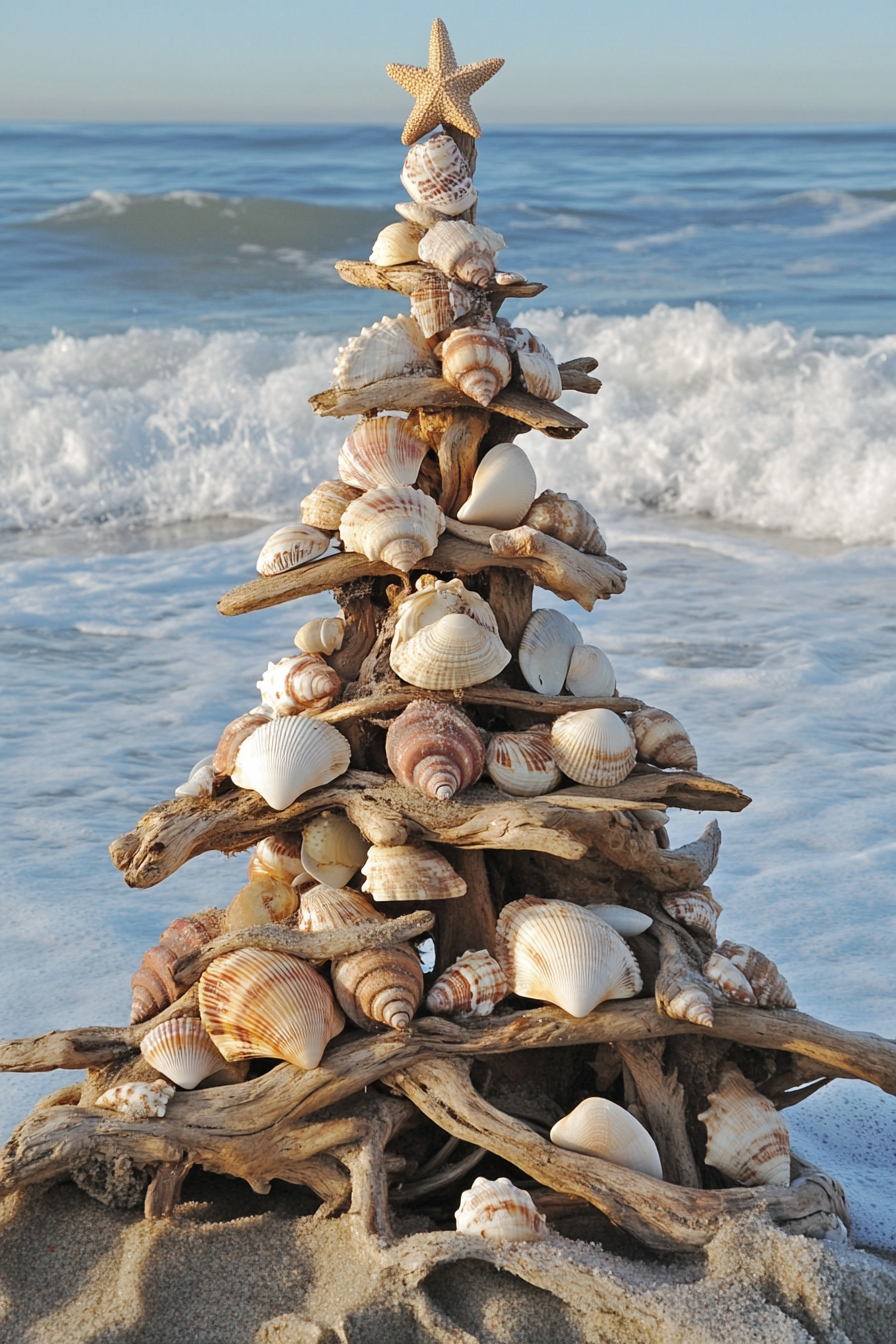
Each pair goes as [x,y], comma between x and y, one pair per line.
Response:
[290,547]
[463,250]
[425,215]
[266,900]
[397,243]
[498,1211]
[183,1051]
[435,748]
[138,1101]
[233,737]
[302,682]
[395,524]
[503,488]
[546,648]
[288,756]
[410,873]
[390,348]
[322,635]
[747,1140]
[593,746]
[436,598]
[555,951]
[538,368]
[438,301]
[694,909]
[454,652]
[382,451]
[476,362]
[566,519]
[268,1005]
[522,764]
[662,740]
[766,981]
[600,1128]
[470,987]
[380,987]
[590,672]
[153,982]
[275,857]
[333,849]
[436,174]
[622,918]
[326,504]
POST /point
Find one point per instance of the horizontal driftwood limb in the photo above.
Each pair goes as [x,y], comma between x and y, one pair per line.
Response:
[504,697]
[404,279]
[637,851]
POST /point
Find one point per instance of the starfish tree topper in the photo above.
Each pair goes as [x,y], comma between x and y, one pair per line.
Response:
[442,90]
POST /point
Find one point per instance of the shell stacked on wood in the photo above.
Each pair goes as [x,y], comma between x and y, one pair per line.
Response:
[233,737]
[434,599]
[291,547]
[566,519]
[435,748]
[380,988]
[388,349]
[266,900]
[381,452]
[333,849]
[410,873]
[302,682]
[470,987]
[326,504]
[322,635]
[600,1128]
[276,857]
[503,489]
[153,983]
[288,756]
[498,1211]
[695,909]
[437,175]
[462,250]
[594,747]
[661,739]
[747,1140]
[476,362]
[546,649]
[763,976]
[183,1051]
[395,524]
[522,764]
[138,1101]
[453,652]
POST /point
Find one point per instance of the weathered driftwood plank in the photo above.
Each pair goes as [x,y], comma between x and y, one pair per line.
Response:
[661,1098]
[504,697]
[404,279]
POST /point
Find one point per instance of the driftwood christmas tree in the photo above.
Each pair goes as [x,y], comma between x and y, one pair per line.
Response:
[443,750]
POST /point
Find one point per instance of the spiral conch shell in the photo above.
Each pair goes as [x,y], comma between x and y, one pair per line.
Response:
[464,250]
[333,849]
[304,681]
[326,504]
[138,1101]
[438,301]
[476,362]
[388,349]
[661,739]
[546,649]
[268,1005]
[183,1051]
[322,635]
[538,368]
[266,900]
[590,672]
[288,756]
[290,547]
[522,764]
[153,983]
[566,519]
[600,1128]
[593,746]
[730,979]
[503,488]
[694,909]
[436,174]
[381,451]
[558,952]
[380,987]
[470,987]
[435,748]
[395,524]
[410,873]
[747,1140]
[278,858]
[233,737]
[435,598]
[397,243]
[498,1211]
[766,981]
[454,652]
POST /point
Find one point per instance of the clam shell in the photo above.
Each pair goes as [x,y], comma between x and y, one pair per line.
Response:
[322,635]
[153,982]
[288,756]
[600,1128]
[326,504]
[731,981]
[454,652]
[201,780]
[522,764]
[627,922]
[395,524]
[138,1101]
[546,649]
[333,849]
[410,873]
[183,1051]
[301,682]
[470,987]
[590,672]
[326,908]
[382,451]
[380,987]
[266,900]
[747,1140]
[426,215]
[558,952]
[498,1211]
[661,739]
[268,1005]
[290,547]
[538,368]
[435,748]
[463,250]
[476,362]
[436,174]
[566,519]
[280,858]
[694,909]
[397,243]
[766,981]
[503,488]
[390,348]
[438,301]
[233,737]
[593,746]
[435,598]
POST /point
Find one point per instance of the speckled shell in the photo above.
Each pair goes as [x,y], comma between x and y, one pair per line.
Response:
[454,652]
[288,756]
[410,873]
[766,981]
[233,737]
[395,524]
[464,250]
[201,780]
[731,981]
[290,547]
[566,519]
[391,347]
[436,174]
[268,1005]
[382,451]
[301,682]
[435,748]
[522,764]
[538,368]
[661,739]
[426,215]
[747,1140]
[545,650]
[138,1101]
[183,1051]
[279,858]
[600,1128]
[333,849]
[266,900]
[503,488]
[438,301]
[476,362]
[470,987]
[593,746]
[434,599]
[326,504]
[498,1211]
[590,672]
[380,987]
[627,922]
[153,983]
[557,952]
[397,243]
[694,909]
[322,635]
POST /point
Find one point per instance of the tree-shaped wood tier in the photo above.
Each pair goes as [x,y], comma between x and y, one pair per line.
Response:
[442,768]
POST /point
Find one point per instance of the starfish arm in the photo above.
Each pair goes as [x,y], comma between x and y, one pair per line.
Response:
[469,78]
[441,52]
[425,116]
[408,76]
[459,113]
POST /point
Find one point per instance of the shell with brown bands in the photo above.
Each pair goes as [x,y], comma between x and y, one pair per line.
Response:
[470,987]
[232,738]
[566,519]
[379,988]
[303,682]
[747,1140]
[326,504]
[662,740]
[766,981]
[153,983]
[435,748]
[694,909]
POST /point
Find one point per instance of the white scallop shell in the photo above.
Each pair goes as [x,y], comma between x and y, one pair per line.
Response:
[498,1211]
[593,746]
[462,250]
[435,598]
[201,780]
[747,1139]
[476,362]
[452,653]
[395,524]
[426,215]
[410,873]
[183,1051]
[546,649]
[538,368]
[397,243]
[503,489]
[389,348]
[600,1128]
[381,451]
[333,849]
[590,672]
[522,764]
[622,918]
[290,547]
[436,174]
[288,756]
[322,635]
[137,1101]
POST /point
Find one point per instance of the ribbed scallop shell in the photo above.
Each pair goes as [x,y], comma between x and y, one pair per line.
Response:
[747,1140]
[322,635]
[470,987]
[436,598]
[454,652]
[498,1211]
[325,908]
[153,982]
[382,451]
[538,368]
[730,980]
[268,1005]
[266,900]
[503,488]
[397,243]
[476,362]
[438,301]
[138,1101]
[201,780]
[333,849]
[410,873]
[326,504]
[288,756]
[388,349]
[522,764]
[694,909]
[555,951]
[435,748]
[425,215]
[661,739]
[233,737]
[766,981]
[301,682]
[566,519]
[590,672]
[290,547]
[462,250]
[627,922]
[395,524]
[600,1128]
[183,1051]
[545,650]
[380,987]
[436,174]
[593,746]
[280,858]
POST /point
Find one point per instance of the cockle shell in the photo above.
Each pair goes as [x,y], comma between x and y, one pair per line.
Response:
[380,987]
[266,900]
[747,1140]
[538,368]
[590,672]
[661,739]
[183,1051]
[326,908]
[522,764]
[290,547]
[498,1211]
[593,746]
[470,987]
[766,981]
[503,488]
[425,215]
[201,780]
[436,598]
[153,983]
[333,849]
[627,922]
[694,909]
[322,635]
[326,504]
[436,174]
[391,347]
[275,857]
[435,748]
[476,362]
[299,683]
[546,648]
[397,243]
[566,519]
[600,1128]
[730,980]
[233,737]
[462,250]
[560,953]
[382,451]
[288,756]
[268,1005]
[395,524]
[138,1101]
[438,301]
[454,652]
[410,873]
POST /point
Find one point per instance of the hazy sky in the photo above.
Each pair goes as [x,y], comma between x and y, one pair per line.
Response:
[567,60]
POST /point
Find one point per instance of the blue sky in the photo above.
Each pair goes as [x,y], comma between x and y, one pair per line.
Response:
[648,61]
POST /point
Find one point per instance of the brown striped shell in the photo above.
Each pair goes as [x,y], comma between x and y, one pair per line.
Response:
[331,908]
[661,739]
[438,301]
[233,737]
[183,1051]
[747,1140]
[290,547]
[694,909]
[476,362]
[395,524]
[379,988]
[766,981]
[691,1005]
[435,748]
[300,683]
[410,873]
[498,1211]
[566,519]
[435,173]
[470,987]
[381,451]
[522,764]
[730,980]
[276,857]
[266,900]
[466,251]
[326,504]
[138,1101]
[153,983]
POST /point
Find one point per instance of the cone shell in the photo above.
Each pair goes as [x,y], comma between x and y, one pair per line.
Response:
[233,737]
[470,987]
[438,301]
[436,174]
[201,780]
[397,243]
[326,504]
[435,748]
[323,635]
[694,909]
[627,922]
[476,362]
[594,747]
[555,951]
[731,981]
[566,519]
[410,873]
[153,983]
[462,250]
[522,764]
[275,857]
[600,1128]
[538,368]
[288,756]
[381,987]
[747,1140]
[425,215]
[498,1211]
[291,547]
[183,1051]
[382,451]
[503,488]
[304,681]
[333,849]
[590,672]
[268,1005]
[434,599]
[266,900]
[395,524]
[454,652]
[138,1101]
[546,649]
[661,739]
[766,981]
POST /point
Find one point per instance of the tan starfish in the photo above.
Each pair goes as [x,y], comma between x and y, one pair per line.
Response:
[442,90]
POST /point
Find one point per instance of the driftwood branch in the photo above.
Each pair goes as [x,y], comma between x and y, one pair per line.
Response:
[661,1098]
[636,850]
[404,279]
[503,697]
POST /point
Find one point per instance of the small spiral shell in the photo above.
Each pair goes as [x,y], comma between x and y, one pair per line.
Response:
[694,909]
[470,987]
[153,983]
[661,739]
[379,988]
[435,748]
[295,685]
[747,1140]
[766,981]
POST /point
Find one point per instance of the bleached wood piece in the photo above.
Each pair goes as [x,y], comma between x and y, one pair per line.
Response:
[405,278]
[661,1097]
[637,851]
[164,1189]
[492,693]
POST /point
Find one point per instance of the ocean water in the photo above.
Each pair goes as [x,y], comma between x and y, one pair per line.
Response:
[167,307]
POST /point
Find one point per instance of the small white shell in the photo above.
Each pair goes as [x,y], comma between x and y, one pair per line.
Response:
[498,1211]
[452,653]
[463,250]
[333,849]
[138,1101]
[522,764]
[299,683]
[435,598]
[388,349]
[397,243]
[476,362]
[183,1051]
[590,672]
[622,918]
[747,1140]
[470,987]
[395,524]
[410,873]
[593,746]
[538,368]
[600,1128]
[503,489]
[436,174]
[322,635]
[546,649]
[290,547]
[424,215]
[382,451]
[288,756]
[201,781]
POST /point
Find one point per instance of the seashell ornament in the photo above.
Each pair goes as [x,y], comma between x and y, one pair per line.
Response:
[410,873]
[381,451]
[183,1051]
[538,368]
[233,737]
[380,987]
[566,519]
[322,635]
[435,598]
[627,922]
[661,739]
[275,857]
[326,908]
[593,746]
[498,1211]
[462,250]
[503,489]
[694,909]
[291,547]
[438,301]
[436,174]
[299,683]
[435,748]
[390,348]
[600,1128]
[200,782]
[731,981]
[454,652]
[747,1139]
[394,524]
[266,900]
[397,243]
[766,981]
[288,756]
[470,987]
[546,649]
[476,362]
[153,982]
[138,1101]
[590,672]
[425,215]
[522,764]
[326,504]
[333,849]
